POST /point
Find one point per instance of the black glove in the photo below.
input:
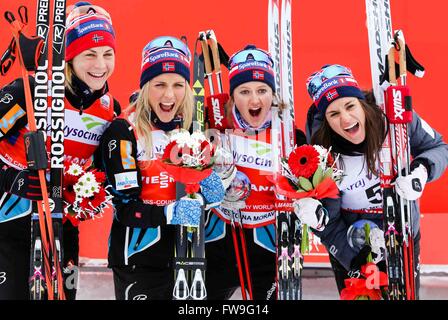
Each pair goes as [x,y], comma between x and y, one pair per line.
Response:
[358,262]
[23,183]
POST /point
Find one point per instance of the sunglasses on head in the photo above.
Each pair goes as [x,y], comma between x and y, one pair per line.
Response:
[250,54]
[169,42]
[329,71]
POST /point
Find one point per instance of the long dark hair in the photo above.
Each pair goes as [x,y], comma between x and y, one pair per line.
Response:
[376,131]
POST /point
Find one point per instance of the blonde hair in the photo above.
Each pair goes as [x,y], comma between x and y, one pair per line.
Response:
[69,72]
[142,109]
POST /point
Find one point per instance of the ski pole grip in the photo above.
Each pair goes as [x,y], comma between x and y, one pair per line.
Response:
[9,17]
[205,53]
[23,14]
[401,49]
[391,62]
[36,153]
[215,52]
[30,48]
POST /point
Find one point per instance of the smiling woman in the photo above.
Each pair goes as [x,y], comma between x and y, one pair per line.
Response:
[94,66]
[88,110]
[348,120]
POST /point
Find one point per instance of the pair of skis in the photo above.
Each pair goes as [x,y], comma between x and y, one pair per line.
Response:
[288,227]
[46,225]
[189,261]
[395,154]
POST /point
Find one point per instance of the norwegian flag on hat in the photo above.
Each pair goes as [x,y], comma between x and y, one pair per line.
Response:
[258,75]
[332,94]
[168,66]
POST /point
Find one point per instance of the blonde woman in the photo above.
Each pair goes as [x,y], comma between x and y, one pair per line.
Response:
[142,238]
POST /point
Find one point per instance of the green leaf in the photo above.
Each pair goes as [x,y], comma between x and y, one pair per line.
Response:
[318,176]
[305,184]
[367,233]
[328,173]
[305,244]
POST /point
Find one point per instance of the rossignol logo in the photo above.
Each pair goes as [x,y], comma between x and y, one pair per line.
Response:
[57,116]
[398,104]
[43,22]
[59,26]
[40,96]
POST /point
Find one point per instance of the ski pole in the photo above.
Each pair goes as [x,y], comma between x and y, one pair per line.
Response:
[37,138]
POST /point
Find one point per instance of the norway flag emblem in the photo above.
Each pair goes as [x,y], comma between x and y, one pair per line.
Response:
[332,95]
[258,75]
[168,66]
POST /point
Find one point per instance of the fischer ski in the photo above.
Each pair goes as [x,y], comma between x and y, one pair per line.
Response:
[189,261]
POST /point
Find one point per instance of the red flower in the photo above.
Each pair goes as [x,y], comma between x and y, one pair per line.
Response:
[98,199]
[208,151]
[100,176]
[330,160]
[303,161]
[68,194]
[366,288]
[173,153]
[326,189]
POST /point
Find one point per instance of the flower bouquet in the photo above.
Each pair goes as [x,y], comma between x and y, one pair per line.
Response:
[308,173]
[84,194]
[188,158]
